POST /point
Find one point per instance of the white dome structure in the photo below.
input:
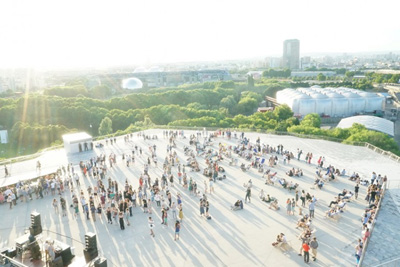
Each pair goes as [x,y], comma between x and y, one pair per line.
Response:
[370,122]
[132,84]
[335,102]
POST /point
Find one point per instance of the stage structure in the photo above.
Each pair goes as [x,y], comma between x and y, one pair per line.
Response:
[77,142]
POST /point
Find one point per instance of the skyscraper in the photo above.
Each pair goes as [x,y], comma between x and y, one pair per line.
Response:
[291,54]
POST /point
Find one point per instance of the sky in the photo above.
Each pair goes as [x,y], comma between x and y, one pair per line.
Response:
[50,33]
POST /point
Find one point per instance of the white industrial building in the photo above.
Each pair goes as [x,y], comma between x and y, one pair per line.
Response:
[334,102]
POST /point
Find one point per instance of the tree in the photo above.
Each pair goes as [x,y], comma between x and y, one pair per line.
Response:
[105,126]
[321,77]
[283,112]
[250,81]
[311,120]
[247,105]
[228,102]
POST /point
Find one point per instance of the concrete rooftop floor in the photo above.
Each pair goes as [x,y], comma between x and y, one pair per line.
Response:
[230,238]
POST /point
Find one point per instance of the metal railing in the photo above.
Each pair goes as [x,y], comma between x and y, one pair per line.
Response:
[365,246]
[307,136]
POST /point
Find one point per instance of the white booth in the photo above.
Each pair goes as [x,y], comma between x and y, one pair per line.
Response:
[77,142]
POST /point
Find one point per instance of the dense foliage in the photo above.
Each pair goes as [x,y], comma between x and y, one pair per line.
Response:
[36,121]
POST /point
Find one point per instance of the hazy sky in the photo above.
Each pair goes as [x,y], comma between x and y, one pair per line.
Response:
[100,32]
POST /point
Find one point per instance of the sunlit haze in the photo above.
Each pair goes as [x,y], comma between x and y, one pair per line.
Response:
[101,33]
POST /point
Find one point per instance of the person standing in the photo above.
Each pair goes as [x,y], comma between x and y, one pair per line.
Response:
[248,195]
[356,189]
[306,249]
[311,208]
[201,207]
[180,215]
[55,205]
[108,213]
[127,216]
[93,211]
[121,220]
[173,208]
[63,204]
[303,199]
[314,246]
[177,229]
[151,226]
[288,207]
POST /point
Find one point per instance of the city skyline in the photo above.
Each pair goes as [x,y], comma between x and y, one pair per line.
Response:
[93,33]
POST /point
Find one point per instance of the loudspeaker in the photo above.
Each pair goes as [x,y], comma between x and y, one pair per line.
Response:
[36,224]
[90,241]
[100,262]
[90,254]
[35,230]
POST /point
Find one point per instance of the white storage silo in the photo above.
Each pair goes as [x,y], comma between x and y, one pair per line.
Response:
[356,103]
[372,101]
[306,104]
[323,104]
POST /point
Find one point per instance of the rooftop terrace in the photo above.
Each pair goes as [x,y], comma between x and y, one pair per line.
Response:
[231,238]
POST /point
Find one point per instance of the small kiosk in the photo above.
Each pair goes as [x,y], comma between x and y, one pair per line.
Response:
[77,142]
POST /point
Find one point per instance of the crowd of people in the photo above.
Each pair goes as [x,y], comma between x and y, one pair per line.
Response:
[153,195]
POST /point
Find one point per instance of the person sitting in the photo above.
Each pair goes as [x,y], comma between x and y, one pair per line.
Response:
[282,182]
[268,199]
[333,212]
[344,192]
[348,196]
[302,223]
[280,240]
[274,205]
[292,186]
[320,184]
[223,177]
[238,205]
[290,173]
[243,167]
[343,173]
[334,202]
[298,172]
[262,194]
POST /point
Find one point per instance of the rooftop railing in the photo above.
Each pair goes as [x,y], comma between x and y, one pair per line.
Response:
[388,154]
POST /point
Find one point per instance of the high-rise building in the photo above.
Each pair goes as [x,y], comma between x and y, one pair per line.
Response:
[291,54]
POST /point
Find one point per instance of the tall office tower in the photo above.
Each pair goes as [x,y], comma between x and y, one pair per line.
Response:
[291,54]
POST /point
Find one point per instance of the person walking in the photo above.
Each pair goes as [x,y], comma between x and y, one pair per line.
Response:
[306,249]
[151,226]
[314,246]
[177,229]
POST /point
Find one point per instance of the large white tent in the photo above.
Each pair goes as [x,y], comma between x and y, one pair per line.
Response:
[77,142]
[334,102]
[370,122]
